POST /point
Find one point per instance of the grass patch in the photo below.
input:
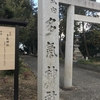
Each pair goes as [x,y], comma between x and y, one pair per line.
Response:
[23,70]
[92,61]
[27,85]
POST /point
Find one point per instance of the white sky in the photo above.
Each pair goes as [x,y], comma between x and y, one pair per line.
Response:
[98,0]
[36,1]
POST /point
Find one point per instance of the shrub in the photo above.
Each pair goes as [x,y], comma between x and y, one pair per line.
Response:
[11,72]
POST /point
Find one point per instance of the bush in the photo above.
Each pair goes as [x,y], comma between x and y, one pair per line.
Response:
[92,41]
[92,61]
[11,72]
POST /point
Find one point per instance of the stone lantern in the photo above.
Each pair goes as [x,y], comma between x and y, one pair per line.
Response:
[77,55]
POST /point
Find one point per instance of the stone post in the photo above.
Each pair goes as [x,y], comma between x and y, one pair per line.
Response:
[69,48]
[48,50]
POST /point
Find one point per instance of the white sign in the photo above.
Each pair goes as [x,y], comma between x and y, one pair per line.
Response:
[7,48]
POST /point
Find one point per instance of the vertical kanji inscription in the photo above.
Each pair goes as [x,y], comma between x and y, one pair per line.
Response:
[48,50]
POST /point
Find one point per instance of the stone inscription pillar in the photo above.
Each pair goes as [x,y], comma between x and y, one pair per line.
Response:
[69,48]
[48,50]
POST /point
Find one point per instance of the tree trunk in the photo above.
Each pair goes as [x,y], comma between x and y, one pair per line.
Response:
[85,43]
[60,49]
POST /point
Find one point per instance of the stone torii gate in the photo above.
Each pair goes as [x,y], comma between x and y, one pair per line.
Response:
[48,44]
[71,16]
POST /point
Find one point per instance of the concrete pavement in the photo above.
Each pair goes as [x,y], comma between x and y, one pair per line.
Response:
[86,83]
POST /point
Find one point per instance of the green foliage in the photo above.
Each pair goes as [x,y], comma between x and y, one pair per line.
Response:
[8,72]
[61,59]
[87,62]
[11,72]
[92,61]
[62,26]
[22,10]
[20,63]
[24,71]
[93,43]
[77,25]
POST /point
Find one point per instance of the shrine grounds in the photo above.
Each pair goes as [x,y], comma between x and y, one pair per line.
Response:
[86,83]
[27,84]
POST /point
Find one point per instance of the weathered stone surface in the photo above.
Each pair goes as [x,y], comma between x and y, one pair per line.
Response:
[48,50]
[87,19]
[69,48]
[83,3]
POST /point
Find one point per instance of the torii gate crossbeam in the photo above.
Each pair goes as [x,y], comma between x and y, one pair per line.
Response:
[87,19]
[82,3]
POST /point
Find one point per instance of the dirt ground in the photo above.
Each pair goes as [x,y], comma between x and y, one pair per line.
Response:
[86,84]
[27,87]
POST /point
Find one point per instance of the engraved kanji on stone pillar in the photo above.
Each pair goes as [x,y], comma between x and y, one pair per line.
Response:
[48,50]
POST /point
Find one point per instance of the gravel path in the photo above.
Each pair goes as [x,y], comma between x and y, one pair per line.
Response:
[86,83]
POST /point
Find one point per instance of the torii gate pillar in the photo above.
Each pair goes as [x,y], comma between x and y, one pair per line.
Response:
[69,48]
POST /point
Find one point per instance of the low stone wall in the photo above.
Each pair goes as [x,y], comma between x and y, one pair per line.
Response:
[87,66]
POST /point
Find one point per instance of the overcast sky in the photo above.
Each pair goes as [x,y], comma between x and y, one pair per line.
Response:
[35,1]
[98,0]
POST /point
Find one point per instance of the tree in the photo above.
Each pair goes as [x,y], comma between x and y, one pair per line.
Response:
[93,42]
[80,11]
[22,10]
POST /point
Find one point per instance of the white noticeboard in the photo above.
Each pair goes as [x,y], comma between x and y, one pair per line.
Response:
[7,48]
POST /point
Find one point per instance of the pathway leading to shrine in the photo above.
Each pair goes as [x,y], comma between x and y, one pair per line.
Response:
[86,83]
